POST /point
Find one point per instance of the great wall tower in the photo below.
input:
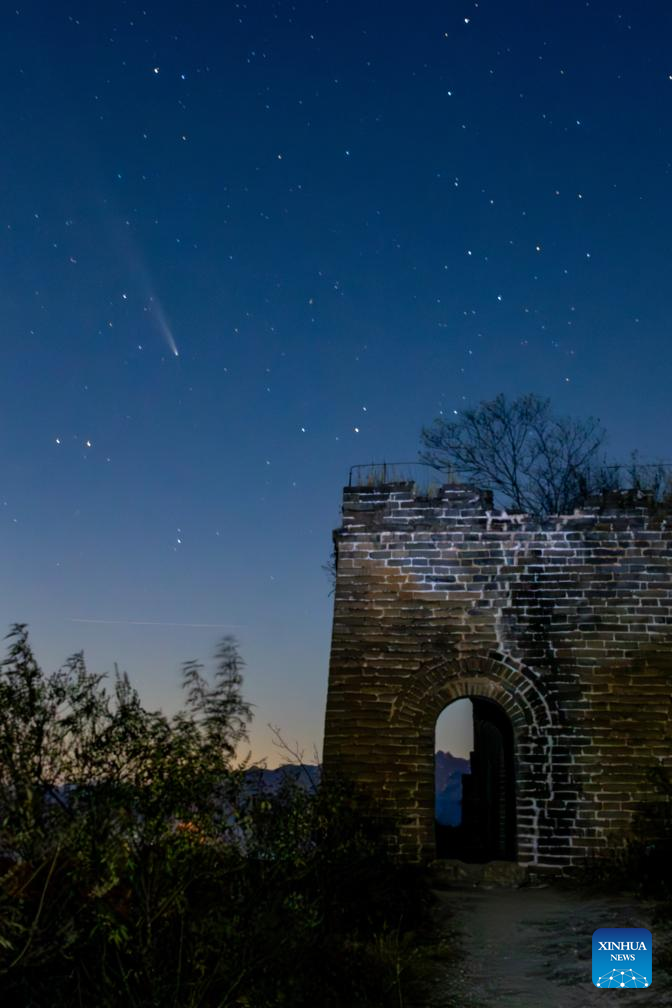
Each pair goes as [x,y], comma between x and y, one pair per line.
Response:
[561,627]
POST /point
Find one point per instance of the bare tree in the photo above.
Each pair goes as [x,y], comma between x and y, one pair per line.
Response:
[537,462]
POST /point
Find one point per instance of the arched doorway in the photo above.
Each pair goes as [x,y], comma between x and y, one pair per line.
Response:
[475,808]
[533,721]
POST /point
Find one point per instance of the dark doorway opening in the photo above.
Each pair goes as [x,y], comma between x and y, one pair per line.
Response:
[485,827]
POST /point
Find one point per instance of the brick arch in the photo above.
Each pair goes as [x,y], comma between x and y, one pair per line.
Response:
[534,719]
[510,684]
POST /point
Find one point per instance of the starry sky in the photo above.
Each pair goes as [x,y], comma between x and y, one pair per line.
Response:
[248,245]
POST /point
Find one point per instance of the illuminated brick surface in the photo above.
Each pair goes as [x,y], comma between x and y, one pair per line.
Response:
[565,622]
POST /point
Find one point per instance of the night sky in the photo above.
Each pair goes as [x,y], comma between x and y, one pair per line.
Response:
[247,245]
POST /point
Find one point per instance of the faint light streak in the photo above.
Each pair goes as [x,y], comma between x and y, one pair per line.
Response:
[116,622]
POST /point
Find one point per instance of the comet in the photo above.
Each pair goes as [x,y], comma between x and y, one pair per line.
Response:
[163,325]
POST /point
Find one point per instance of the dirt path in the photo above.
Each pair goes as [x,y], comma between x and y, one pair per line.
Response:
[531,948]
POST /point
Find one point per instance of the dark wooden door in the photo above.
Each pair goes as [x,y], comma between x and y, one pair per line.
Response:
[488,828]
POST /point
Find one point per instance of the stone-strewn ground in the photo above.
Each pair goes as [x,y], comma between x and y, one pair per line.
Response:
[531,948]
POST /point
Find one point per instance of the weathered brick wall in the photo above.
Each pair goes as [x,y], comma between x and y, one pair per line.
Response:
[567,623]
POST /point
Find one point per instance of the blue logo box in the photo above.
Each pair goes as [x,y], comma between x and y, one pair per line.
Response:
[622,957]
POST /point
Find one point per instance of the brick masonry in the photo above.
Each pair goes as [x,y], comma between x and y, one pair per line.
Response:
[565,622]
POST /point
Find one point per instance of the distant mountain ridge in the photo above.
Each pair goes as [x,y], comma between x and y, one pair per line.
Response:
[305,776]
[448,771]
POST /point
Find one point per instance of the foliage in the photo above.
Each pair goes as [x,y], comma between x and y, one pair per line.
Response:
[137,866]
[541,463]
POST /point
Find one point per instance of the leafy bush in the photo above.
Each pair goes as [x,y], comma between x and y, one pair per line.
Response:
[137,867]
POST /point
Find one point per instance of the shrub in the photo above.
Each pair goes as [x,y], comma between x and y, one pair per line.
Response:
[137,867]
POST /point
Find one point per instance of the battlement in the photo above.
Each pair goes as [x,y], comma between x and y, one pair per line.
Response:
[454,503]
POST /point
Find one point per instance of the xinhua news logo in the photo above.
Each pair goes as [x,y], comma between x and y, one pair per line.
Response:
[622,957]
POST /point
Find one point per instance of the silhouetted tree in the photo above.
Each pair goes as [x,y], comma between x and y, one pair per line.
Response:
[539,462]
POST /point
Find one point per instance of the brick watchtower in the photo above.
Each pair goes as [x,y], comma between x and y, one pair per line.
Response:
[564,626]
